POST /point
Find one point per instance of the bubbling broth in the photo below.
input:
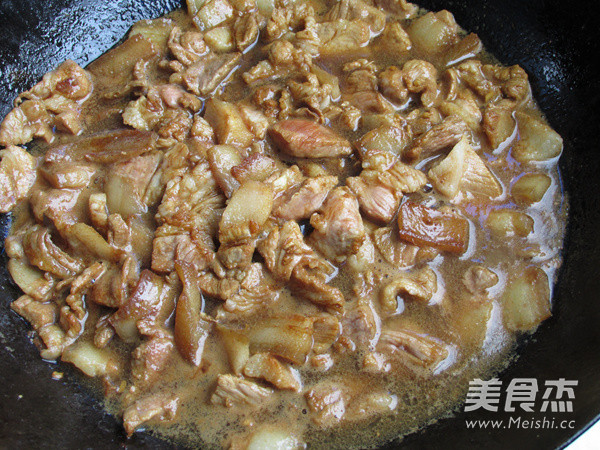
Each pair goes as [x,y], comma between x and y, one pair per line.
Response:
[284,223]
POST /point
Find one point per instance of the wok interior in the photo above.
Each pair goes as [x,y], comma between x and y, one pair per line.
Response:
[544,37]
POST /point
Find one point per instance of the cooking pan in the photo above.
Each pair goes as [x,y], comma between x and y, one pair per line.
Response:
[555,41]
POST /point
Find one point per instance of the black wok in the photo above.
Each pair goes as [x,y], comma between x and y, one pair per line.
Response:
[555,41]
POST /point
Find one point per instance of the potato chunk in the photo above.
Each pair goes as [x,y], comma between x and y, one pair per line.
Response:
[530,188]
[504,223]
[526,299]
[538,142]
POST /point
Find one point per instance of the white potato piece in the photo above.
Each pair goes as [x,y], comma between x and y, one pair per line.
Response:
[213,13]
[538,142]
[246,213]
[271,438]
[157,31]
[220,39]
[526,299]
[505,222]
[92,361]
[530,188]
[237,346]
[433,32]
[193,6]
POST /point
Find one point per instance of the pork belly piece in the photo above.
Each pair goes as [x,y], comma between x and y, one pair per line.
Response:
[327,403]
[419,285]
[273,371]
[446,134]
[107,147]
[358,10]
[206,74]
[258,292]
[234,391]
[339,229]
[53,103]
[146,310]
[379,192]
[47,256]
[288,258]
[17,176]
[161,407]
[288,337]
[306,139]
[399,253]
[423,226]
[149,359]
[192,326]
[417,349]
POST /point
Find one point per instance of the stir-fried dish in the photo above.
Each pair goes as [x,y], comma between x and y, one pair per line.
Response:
[283,223]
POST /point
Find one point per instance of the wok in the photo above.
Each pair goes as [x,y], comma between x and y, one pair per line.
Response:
[555,41]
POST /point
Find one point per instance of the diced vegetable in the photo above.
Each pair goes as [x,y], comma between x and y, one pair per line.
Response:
[530,188]
[537,141]
[505,222]
[222,158]
[526,299]
[423,226]
[471,322]
[157,31]
[273,438]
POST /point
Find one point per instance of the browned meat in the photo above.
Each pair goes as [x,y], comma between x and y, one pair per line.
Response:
[204,75]
[419,285]
[258,292]
[420,77]
[235,391]
[146,310]
[398,253]
[290,259]
[270,369]
[45,254]
[187,47]
[446,134]
[17,176]
[51,102]
[39,315]
[168,248]
[300,201]
[358,10]
[477,279]
[307,139]
[413,348]
[379,193]
[339,229]
[149,359]
[327,404]
[109,147]
[160,407]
